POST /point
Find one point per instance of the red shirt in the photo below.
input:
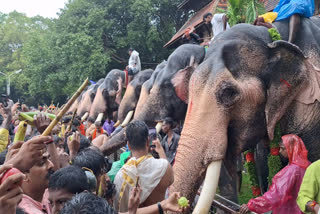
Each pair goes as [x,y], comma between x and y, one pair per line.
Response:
[82,129]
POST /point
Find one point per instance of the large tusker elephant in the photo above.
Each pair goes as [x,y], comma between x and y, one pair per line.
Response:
[167,97]
[245,86]
[76,103]
[146,87]
[105,99]
[87,98]
[132,94]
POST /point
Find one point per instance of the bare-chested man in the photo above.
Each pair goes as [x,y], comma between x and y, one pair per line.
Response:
[154,176]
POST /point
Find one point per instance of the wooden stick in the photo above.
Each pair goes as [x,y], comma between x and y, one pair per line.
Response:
[65,109]
[71,123]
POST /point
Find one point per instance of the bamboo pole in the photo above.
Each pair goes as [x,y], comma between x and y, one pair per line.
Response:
[71,123]
[65,109]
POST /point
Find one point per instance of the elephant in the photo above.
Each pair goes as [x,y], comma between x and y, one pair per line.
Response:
[105,99]
[146,87]
[132,94]
[76,103]
[166,97]
[87,98]
[244,87]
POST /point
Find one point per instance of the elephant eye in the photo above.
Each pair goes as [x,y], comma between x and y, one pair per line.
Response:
[227,94]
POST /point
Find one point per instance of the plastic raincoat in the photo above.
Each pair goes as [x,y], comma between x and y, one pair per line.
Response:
[282,194]
[287,8]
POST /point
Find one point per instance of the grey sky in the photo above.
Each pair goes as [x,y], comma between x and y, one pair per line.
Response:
[45,8]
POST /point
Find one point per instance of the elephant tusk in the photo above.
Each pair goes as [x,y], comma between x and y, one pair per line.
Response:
[99,118]
[85,116]
[159,126]
[117,124]
[209,188]
[127,119]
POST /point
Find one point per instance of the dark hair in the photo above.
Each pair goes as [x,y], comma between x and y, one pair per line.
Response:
[78,118]
[71,178]
[87,203]
[206,15]
[56,139]
[169,120]
[76,123]
[130,49]
[20,211]
[92,159]
[90,119]
[3,155]
[66,119]
[137,134]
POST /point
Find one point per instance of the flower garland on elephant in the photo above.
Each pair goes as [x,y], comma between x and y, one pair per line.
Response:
[274,161]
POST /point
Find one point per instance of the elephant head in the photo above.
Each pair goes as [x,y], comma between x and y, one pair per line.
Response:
[87,98]
[146,87]
[167,97]
[76,103]
[105,99]
[236,97]
[165,93]
[132,94]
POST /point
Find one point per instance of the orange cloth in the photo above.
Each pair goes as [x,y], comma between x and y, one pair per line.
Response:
[94,135]
[82,129]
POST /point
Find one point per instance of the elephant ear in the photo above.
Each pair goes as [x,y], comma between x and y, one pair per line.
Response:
[180,80]
[285,76]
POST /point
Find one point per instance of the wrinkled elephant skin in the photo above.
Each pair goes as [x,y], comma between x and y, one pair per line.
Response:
[132,94]
[87,98]
[237,96]
[158,98]
[162,100]
[105,99]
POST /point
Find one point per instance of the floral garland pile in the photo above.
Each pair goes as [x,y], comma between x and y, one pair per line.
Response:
[251,167]
[274,161]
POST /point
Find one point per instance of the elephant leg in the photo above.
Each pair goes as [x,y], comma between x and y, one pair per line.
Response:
[227,186]
[261,157]
[294,26]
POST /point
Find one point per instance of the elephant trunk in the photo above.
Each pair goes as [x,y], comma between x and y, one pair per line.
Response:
[144,94]
[99,104]
[128,103]
[114,143]
[202,147]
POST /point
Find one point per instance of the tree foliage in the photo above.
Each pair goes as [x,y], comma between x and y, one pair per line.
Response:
[243,11]
[88,39]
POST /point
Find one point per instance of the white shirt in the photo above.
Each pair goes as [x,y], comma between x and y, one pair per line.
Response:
[217,24]
[134,61]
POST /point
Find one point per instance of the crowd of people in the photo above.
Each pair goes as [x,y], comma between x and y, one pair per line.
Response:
[66,173]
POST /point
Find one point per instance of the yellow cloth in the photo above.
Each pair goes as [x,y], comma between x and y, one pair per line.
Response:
[269,17]
[4,136]
[309,189]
